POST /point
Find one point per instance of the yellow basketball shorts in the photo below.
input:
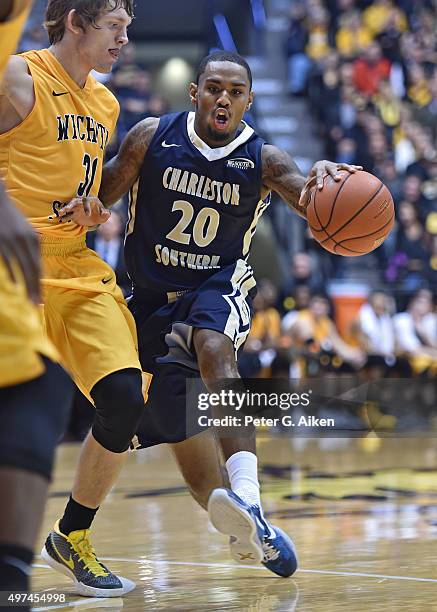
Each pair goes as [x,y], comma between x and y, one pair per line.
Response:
[22,339]
[85,314]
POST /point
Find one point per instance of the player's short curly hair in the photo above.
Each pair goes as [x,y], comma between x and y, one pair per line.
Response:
[223,56]
[88,10]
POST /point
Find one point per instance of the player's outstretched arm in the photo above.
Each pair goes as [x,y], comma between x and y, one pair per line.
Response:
[85,211]
[281,174]
[119,175]
[121,172]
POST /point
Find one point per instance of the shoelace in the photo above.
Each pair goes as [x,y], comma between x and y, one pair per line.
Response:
[87,554]
[270,552]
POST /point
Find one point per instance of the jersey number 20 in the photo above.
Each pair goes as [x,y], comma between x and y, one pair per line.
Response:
[205,225]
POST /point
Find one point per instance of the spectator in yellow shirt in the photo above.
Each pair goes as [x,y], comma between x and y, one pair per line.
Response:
[316,331]
[318,35]
[352,36]
[387,104]
[382,15]
[265,330]
[418,90]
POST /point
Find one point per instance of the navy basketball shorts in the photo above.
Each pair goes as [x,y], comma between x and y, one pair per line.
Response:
[165,325]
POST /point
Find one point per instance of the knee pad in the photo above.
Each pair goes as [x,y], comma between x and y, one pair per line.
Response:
[34,416]
[119,406]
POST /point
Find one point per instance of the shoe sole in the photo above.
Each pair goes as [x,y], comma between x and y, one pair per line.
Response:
[83,589]
[234,521]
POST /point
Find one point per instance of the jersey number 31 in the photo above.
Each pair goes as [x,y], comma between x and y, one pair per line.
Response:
[90,166]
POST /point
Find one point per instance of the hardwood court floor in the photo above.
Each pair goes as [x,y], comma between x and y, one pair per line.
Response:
[363,514]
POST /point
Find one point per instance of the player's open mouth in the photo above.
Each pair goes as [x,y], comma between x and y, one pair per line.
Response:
[221,119]
[114,53]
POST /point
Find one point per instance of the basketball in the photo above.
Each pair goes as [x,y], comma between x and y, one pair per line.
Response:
[353,216]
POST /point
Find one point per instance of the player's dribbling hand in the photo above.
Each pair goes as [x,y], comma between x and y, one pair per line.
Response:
[84,211]
[323,168]
[317,174]
[19,245]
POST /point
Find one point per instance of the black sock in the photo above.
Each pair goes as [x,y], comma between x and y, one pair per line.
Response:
[76,517]
[15,566]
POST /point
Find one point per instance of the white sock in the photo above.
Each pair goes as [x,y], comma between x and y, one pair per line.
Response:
[242,470]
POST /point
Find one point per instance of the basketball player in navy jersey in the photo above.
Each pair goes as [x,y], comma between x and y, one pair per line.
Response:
[199,182]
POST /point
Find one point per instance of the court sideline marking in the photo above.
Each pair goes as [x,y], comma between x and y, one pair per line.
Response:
[73,603]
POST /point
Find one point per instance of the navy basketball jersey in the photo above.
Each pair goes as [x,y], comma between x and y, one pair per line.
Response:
[193,209]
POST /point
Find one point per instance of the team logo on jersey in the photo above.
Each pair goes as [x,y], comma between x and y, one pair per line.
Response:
[241,163]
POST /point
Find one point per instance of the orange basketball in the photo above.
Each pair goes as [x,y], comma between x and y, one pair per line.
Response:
[353,216]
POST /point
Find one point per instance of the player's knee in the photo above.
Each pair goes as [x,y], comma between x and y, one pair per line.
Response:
[119,406]
[215,355]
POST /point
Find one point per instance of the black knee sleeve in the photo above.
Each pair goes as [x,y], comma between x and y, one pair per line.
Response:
[33,417]
[119,406]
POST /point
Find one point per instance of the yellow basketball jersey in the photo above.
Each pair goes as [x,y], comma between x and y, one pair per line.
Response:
[10,32]
[57,152]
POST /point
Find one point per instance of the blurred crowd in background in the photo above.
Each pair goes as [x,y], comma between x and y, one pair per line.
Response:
[368,73]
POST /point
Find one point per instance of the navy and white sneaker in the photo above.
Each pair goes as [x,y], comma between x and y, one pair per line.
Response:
[252,539]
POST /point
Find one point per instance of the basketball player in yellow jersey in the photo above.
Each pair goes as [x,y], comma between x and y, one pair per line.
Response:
[35,392]
[55,123]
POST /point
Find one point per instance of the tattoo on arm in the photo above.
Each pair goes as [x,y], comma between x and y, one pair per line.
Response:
[281,174]
[121,172]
